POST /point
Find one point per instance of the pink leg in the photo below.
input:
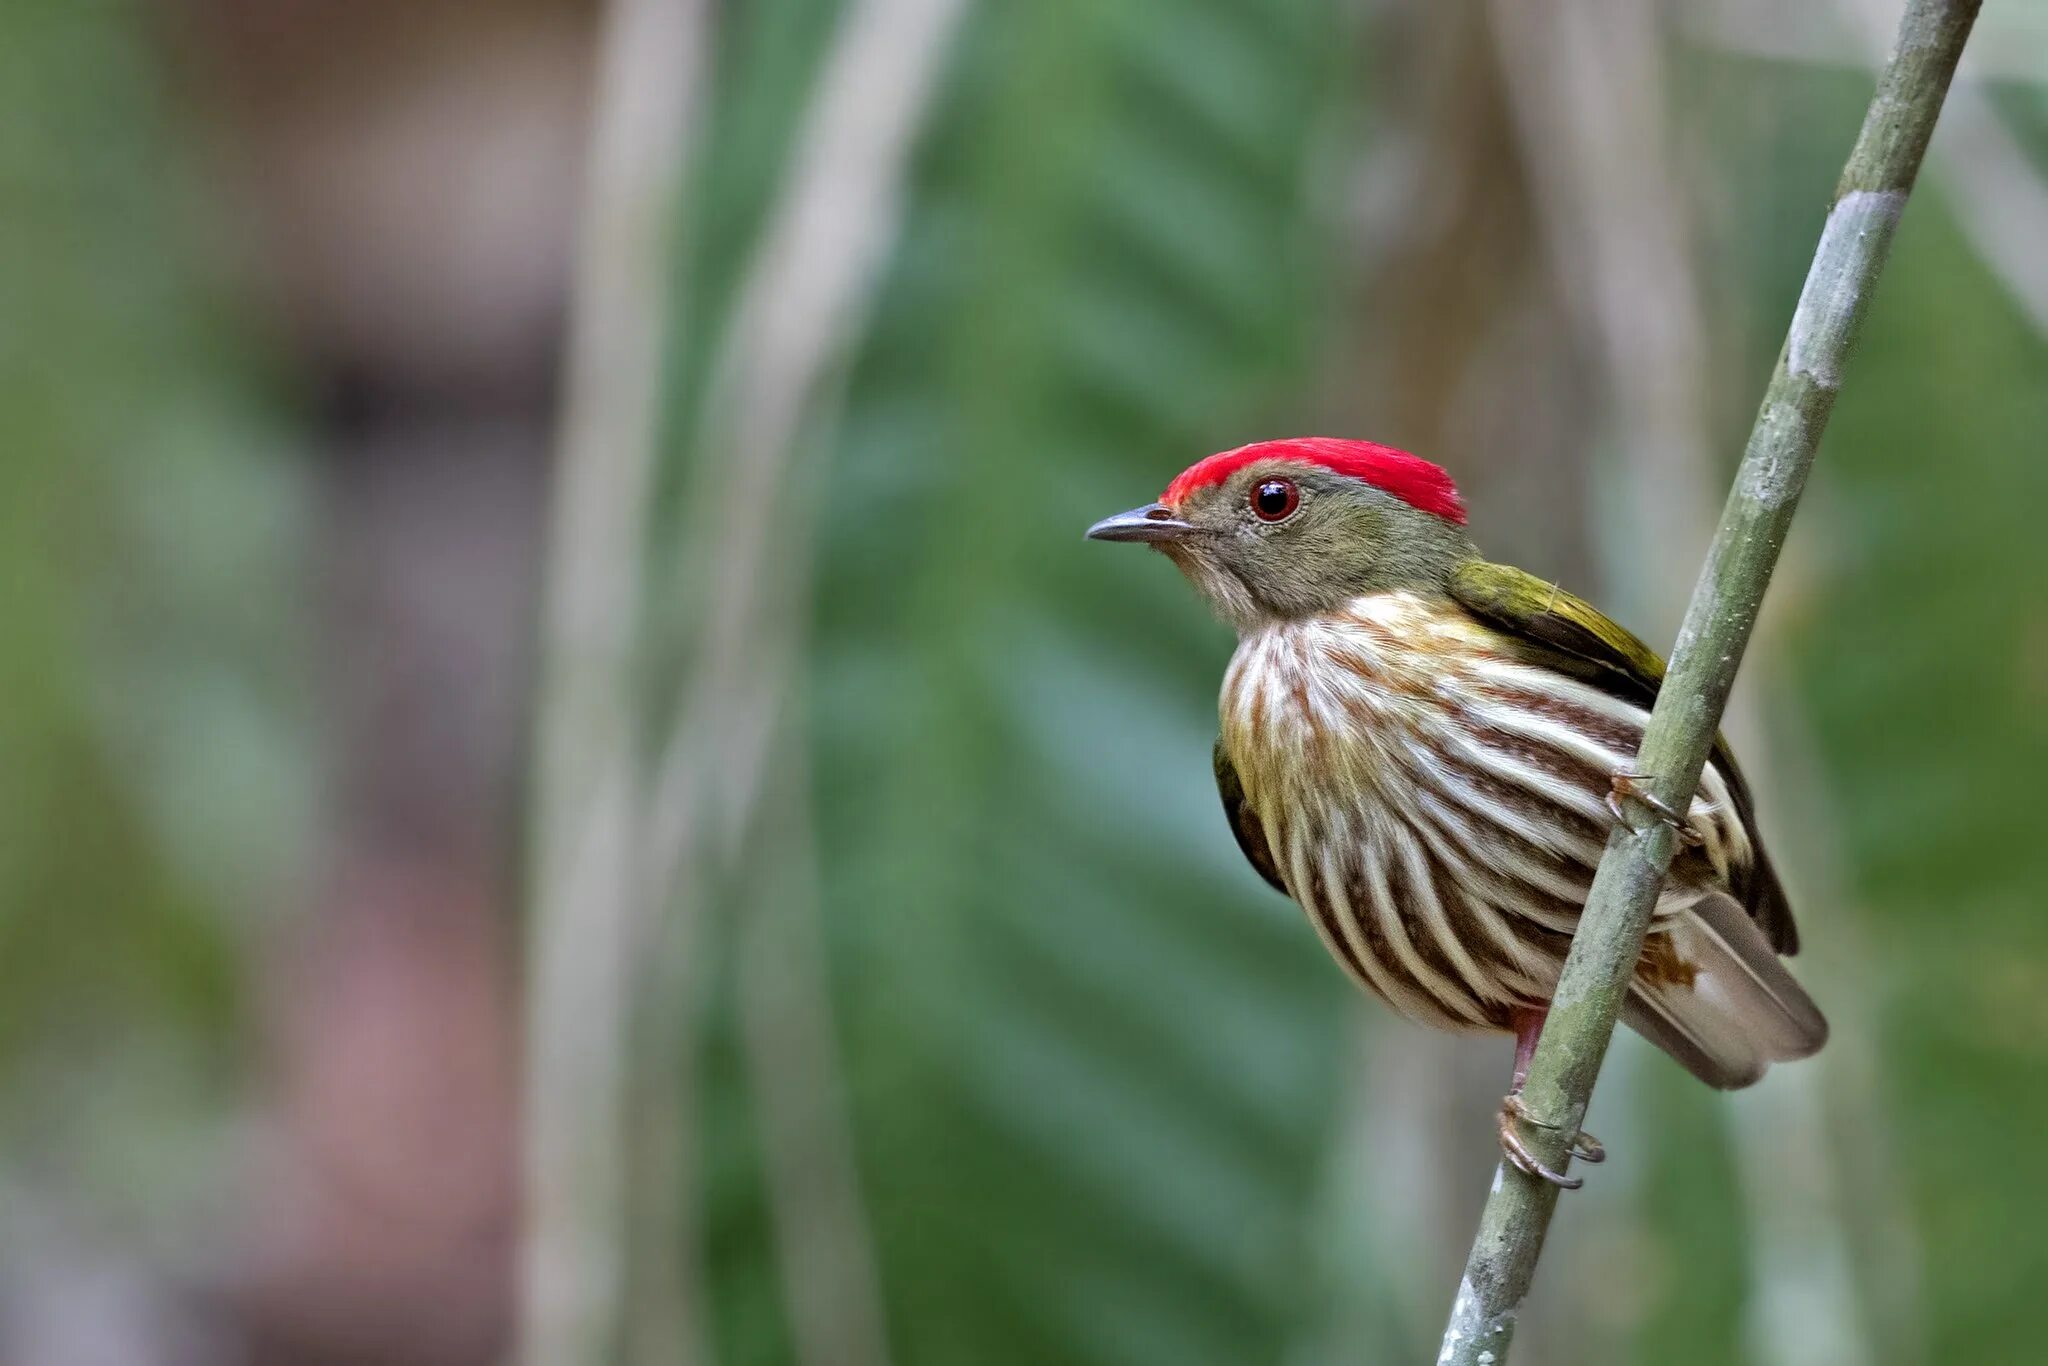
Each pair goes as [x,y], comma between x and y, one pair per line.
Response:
[1528,1028]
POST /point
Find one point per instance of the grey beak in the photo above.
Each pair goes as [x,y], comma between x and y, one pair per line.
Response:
[1153,523]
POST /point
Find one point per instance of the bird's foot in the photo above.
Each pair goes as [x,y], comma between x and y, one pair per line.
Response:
[1513,1114]
[1630,785]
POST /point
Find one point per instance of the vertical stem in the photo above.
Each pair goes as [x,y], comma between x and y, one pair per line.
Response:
[585,903]
[1839,285]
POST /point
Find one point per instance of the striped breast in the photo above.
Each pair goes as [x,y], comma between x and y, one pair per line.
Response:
[1436,801]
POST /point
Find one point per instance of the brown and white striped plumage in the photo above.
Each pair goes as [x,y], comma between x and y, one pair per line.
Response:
[1435,799]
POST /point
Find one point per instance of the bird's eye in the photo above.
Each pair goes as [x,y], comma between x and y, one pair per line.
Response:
[1274,500]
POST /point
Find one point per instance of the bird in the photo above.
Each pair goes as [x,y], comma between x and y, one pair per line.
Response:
[1427,751]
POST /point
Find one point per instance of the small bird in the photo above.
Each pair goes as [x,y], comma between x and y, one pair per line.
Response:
[1426,751]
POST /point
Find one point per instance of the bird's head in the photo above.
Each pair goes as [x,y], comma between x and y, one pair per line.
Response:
[1282,529]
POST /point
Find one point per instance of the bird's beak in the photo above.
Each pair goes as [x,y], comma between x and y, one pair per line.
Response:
[1153,523]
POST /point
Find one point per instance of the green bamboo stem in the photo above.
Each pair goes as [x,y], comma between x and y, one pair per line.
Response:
[1868,201]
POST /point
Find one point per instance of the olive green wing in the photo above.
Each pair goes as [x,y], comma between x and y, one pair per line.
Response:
[1530,609]
[1571,634]
[1244,822]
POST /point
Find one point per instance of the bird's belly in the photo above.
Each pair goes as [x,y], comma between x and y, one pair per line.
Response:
[1435,806]
[1453,925]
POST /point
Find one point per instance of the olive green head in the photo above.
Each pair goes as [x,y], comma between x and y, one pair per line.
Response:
[1286,529]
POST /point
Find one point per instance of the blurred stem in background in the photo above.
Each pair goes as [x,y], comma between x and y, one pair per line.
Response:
[729,795]
[593,918]
[643,852]
[998,1015]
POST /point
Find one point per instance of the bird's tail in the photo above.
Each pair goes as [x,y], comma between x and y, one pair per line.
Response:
[1733,1009]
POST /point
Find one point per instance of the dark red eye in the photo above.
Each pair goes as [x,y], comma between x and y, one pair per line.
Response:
[1274,500]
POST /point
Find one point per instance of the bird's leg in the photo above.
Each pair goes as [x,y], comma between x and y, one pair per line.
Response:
[1528,1029]
[1513,1113]
[1630,785]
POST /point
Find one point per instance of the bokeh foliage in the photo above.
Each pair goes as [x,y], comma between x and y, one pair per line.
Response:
[154,775]
[1092,1058]
[1923,660]
[1095,1064]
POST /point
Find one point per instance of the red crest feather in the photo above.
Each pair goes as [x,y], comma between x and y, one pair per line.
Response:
[1410,478]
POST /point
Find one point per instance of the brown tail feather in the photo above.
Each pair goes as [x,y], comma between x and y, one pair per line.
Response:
[1740,1010]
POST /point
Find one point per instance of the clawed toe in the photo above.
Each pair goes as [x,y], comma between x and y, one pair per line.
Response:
[1630,785]
[1513,1114]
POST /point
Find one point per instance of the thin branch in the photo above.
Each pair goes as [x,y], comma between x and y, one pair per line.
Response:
[2000,196]
[2001,199]
[1853,245]
[2009,47]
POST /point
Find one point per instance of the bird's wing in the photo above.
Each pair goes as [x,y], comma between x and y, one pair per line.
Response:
[1572,634]
[1244,822]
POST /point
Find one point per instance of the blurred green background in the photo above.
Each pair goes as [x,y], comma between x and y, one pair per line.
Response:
[567,776]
